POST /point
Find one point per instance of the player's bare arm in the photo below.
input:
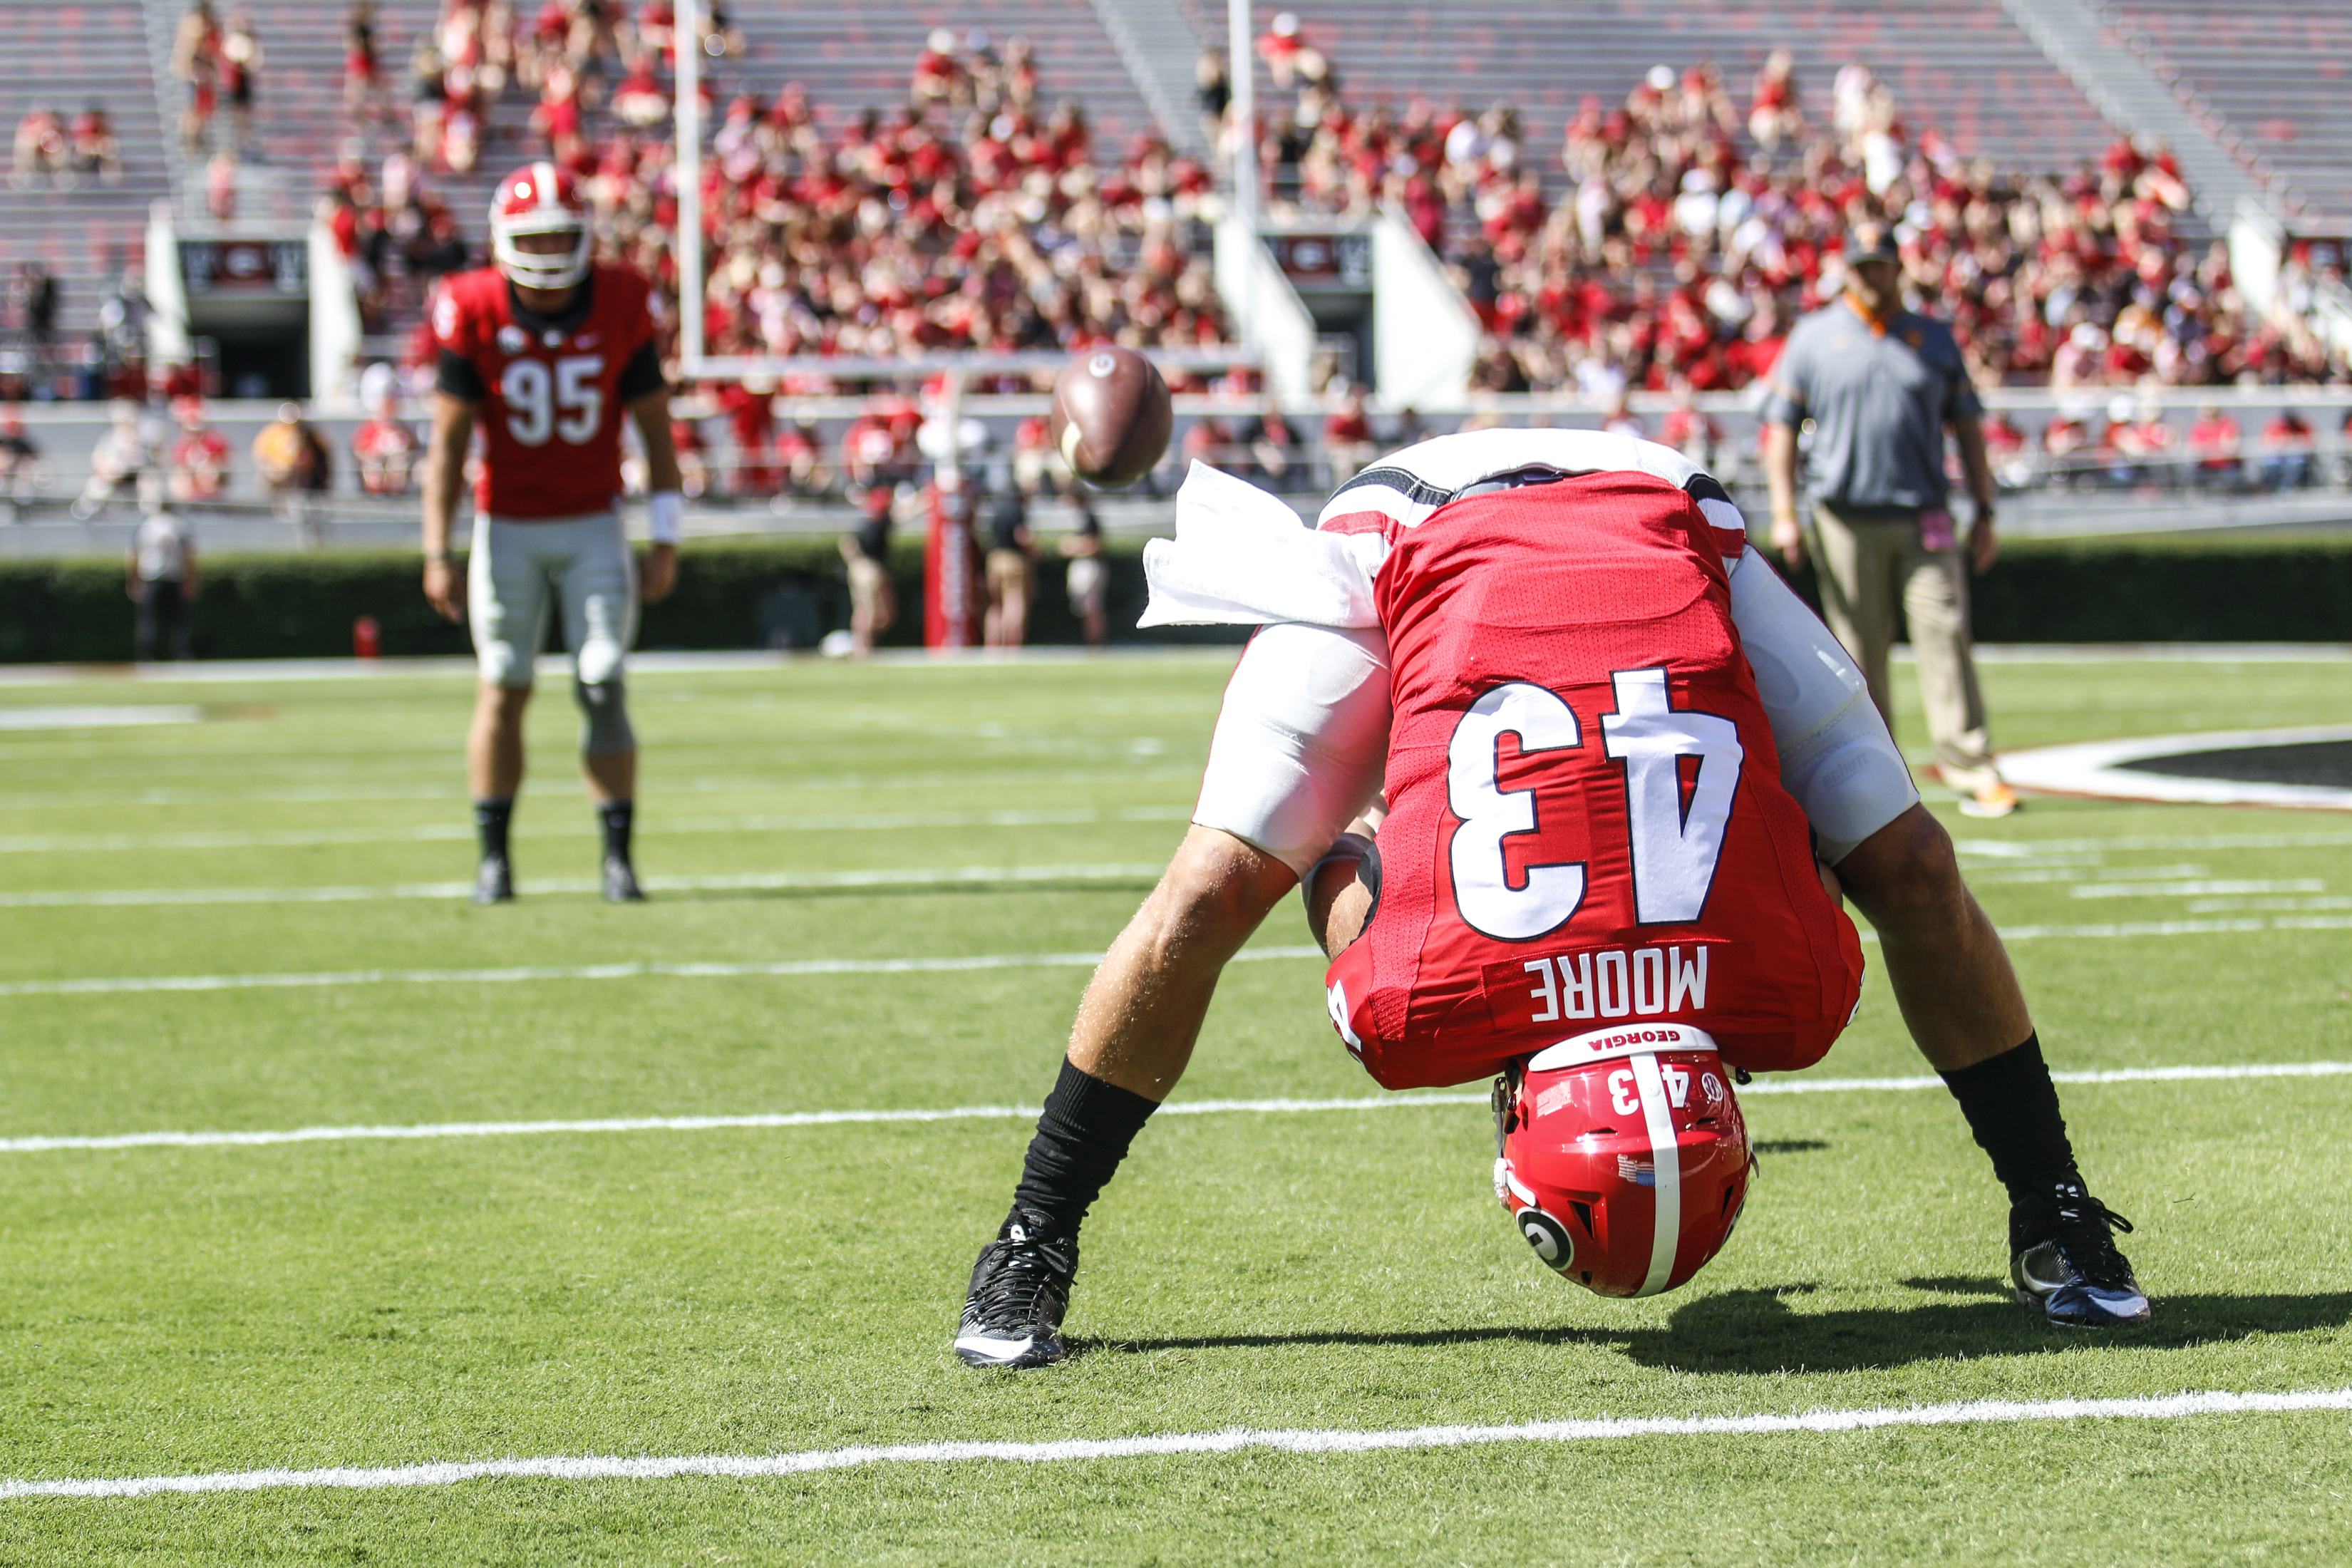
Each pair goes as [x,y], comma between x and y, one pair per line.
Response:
[1968,431]
[1780,480]
[445,486]
[650,414]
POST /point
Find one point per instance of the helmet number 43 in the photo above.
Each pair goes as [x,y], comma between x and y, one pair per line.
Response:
[566,402]
[1626,1093]
[1675,842]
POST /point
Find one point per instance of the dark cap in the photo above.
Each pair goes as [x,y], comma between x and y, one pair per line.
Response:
[1871,242]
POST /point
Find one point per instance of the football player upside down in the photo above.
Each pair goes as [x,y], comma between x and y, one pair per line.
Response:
[543,352]
[1574,785]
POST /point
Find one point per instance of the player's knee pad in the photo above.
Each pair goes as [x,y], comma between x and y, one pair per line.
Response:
[604,717]
[1836,758]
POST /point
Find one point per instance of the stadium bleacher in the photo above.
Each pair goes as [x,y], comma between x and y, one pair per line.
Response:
[67,57]
[2273,72]
[845,63]
[1962,66]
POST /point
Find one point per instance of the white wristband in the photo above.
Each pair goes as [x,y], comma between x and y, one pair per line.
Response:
[668,510]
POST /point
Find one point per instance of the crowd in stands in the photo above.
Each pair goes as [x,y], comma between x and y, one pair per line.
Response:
[54,153]
[1676,238]
[974,215]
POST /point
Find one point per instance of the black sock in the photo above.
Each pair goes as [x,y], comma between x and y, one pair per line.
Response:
[2012,1109]
[1080,1140]
[618,817]
[491,819]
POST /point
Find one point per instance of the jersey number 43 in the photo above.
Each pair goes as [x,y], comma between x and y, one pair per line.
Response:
[1674,845]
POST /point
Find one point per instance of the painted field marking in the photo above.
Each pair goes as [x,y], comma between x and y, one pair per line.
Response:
[748,882]
[1233,1439]
[631,971]
[95,718]
[421,833]
[439,789]
[2103,770]
[1275,1107]
[124,984]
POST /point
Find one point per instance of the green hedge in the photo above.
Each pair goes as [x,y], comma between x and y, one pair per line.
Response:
[782,593]
[787,593]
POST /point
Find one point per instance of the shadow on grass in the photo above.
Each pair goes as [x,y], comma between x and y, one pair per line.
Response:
[1758,1331]
[1788,1145]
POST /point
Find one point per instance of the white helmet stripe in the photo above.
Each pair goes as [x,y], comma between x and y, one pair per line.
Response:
[542,179]
[1666,1160]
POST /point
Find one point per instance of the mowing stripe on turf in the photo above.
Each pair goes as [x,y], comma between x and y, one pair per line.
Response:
[787,1119]
[1234,1440]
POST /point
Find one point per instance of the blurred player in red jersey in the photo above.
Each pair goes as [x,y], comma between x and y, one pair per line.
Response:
[384,448]
[200,454]
[543,352]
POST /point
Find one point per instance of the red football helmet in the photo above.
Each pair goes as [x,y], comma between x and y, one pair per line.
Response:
[540,198]
[1622,1156]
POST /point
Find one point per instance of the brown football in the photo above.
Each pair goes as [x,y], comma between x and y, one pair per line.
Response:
[1111,416]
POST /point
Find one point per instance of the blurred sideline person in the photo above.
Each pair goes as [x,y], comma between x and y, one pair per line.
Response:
[292,460]
[161,576]
[200,456]
[1880,383]
[22,472]
[865,554]
[1371,625]
[543,352]
[1088,576]
[383,448]
[1012,573]
[117,459]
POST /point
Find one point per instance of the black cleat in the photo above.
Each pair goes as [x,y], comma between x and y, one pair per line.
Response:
[621,882]
[2064,1261]
[494,882]
[1020,1289]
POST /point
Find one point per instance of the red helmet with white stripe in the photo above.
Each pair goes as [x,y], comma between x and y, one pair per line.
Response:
[1623,1156]
[540,198]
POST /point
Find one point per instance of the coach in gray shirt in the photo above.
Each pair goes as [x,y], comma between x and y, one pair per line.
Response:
[1880,383]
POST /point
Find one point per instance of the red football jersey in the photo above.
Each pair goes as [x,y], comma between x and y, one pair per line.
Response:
[1586,819]
[552,408]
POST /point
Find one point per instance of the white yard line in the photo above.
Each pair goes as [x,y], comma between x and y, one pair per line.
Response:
[94,717]
[1233,1439]
[109,985]
[1275,1107]
[118,985]
[307,837]
[748,882]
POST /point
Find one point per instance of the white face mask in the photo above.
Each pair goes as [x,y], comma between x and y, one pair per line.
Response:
[560,270]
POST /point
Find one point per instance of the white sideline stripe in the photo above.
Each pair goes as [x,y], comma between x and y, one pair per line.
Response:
[1233,1439]
[1275,1107]
[913,877]
[105,985]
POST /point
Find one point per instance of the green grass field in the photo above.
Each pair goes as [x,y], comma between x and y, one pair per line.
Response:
[183,1310]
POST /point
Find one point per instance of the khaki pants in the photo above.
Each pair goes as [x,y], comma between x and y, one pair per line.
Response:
[1866,562]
